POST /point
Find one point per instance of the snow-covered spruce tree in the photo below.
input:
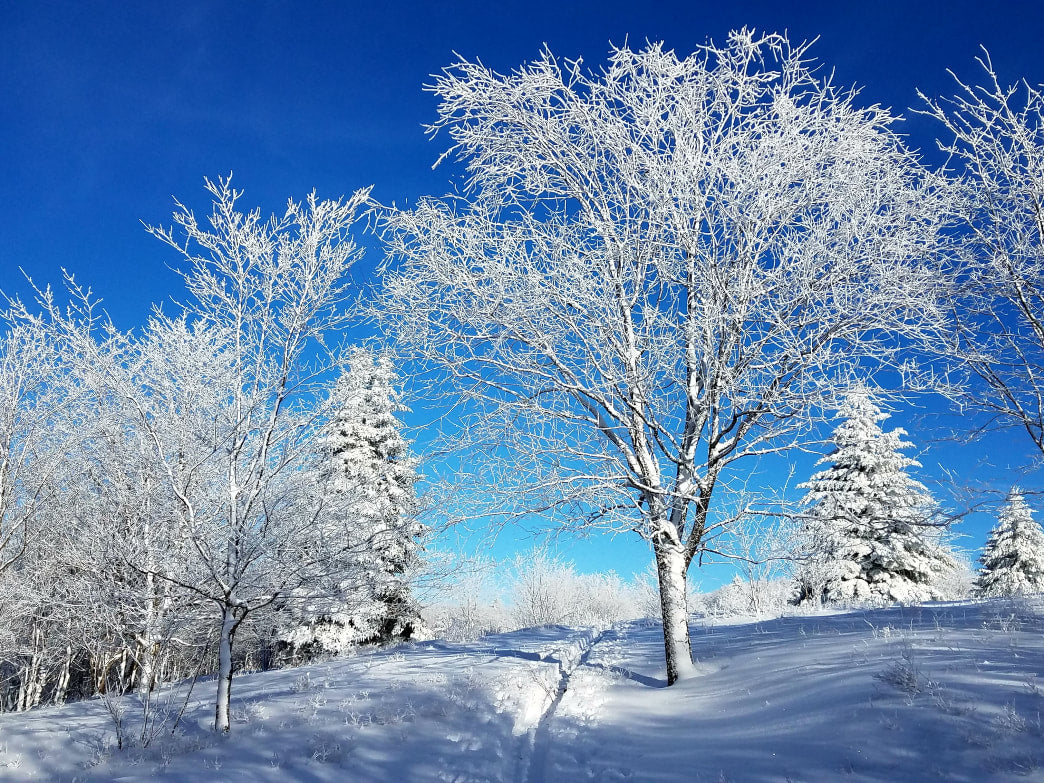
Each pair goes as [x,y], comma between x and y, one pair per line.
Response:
[1013,560]
[366,460]
[872,530]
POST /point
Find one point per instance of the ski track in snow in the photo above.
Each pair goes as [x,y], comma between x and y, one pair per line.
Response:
[539,738]
[940,692]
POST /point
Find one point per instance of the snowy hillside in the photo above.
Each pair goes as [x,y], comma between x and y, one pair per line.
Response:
[949,692]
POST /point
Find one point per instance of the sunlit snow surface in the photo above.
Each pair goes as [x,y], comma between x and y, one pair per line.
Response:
[950,692]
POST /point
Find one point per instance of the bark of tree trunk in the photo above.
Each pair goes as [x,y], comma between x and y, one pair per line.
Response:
[31,690]
[148,641]
[670,571]
[146,669]
[230,620]
[61,688]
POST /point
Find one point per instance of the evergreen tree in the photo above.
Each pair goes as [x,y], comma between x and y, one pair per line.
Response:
[1013,560]
[369,458]
[366,462]
[871,528]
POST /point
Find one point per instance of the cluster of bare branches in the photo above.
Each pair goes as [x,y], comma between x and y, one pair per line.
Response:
[995,139]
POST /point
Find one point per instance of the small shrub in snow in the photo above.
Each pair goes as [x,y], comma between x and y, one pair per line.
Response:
[302,684]
[903,675]
[1011,720]
[754,598]
[546,590]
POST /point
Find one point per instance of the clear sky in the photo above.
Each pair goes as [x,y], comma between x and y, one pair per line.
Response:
[107,110]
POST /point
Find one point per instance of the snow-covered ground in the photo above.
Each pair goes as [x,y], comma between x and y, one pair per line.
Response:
[950,692]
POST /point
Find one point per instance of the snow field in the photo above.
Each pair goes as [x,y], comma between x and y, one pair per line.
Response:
[432,711]
[948,691]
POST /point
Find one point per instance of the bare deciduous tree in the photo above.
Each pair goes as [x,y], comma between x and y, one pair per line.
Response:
[248,395]
[34,396]
[996,137]
[657,272]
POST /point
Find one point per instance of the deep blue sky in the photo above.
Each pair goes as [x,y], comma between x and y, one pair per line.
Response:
[109,109]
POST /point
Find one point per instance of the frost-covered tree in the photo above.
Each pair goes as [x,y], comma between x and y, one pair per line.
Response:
[995,140]
[656,272]
[35,418]
[1013,560]
[125,536]
[242,377]
[367,463]
[871,529]
[45,422]
[370,459]
[226,401]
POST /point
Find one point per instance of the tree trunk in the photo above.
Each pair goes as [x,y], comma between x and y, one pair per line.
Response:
[670,571]
[31,690]
[230,620]
[61,689]
[146,668]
